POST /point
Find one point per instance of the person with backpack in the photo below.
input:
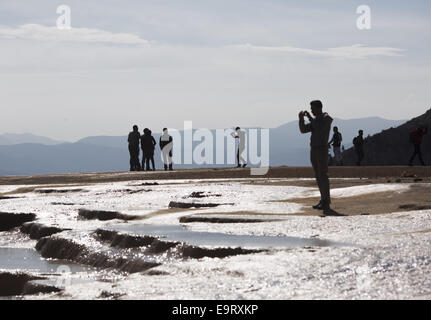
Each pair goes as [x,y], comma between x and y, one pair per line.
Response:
[148,144]
[416,137]
[336,145]
[358,143]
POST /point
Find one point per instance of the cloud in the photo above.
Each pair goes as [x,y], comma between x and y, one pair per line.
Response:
[43,33]
[356,51]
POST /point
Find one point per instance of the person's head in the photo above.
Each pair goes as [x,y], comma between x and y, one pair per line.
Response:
[149,131]
[316,107]
[361,132]
[335,129]
[237,128]
[135,128]
[165,130]
[146,130]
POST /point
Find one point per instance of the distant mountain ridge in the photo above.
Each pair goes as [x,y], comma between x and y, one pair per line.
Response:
[18,138]
[392,146]
[110,153]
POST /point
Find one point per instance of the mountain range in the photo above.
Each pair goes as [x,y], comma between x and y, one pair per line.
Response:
[28,154]
[392,146]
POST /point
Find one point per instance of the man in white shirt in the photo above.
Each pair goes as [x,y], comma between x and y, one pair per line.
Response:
[241,136]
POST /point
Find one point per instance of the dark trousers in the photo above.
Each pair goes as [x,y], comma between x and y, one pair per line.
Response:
[146,163]
[319,161]
[360,155]
[418,152]
[134,159]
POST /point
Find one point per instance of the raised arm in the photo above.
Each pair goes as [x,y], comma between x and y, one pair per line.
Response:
[304,128]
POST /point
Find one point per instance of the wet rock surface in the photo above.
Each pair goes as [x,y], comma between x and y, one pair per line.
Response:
[66,249]
[120,240]
[155,245]
[202,194]
[37,230]
[415,207]
[48,191]
[104,215]
[12,220]
[190,219]
[187,205]
[13,284]
[8,198]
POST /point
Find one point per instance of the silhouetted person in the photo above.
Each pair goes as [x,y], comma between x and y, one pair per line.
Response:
[133,140]
[416,137]
[358,143]
[240,135]
[148,144]
[319,126]
[336,145]
[166,145]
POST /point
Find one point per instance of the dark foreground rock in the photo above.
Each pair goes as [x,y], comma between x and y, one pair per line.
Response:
[60,248]
[37,230]
[104,215]
[152,245]
[12,220]
[189,219]
[188,205]
[13,284]
[47,191]
[202,194]
[120,240]
[198,252]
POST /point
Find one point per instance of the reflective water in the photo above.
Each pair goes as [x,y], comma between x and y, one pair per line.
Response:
[182,234]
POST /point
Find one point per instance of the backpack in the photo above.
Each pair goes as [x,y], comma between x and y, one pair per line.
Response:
[355,141]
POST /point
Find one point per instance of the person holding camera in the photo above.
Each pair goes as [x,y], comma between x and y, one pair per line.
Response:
[320,127]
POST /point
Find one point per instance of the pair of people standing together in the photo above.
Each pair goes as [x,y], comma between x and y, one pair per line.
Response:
[148,144]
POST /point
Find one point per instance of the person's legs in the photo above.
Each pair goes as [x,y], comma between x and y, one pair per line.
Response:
[134,160]
[413,155]
[361,154]
[132,167]
[137,163]
[241,158]
[420,154]
[337,155]
[152,161]
[322,165]
[315,165]
[165,158]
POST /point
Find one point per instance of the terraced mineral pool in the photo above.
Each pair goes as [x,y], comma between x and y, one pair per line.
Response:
[21,259]
[182,234]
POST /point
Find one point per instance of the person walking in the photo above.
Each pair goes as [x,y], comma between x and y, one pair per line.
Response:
[358,143]
[148,144]
[166,145]
[336,145]
[133,140]
[241,136]
[319,126]
[416,137]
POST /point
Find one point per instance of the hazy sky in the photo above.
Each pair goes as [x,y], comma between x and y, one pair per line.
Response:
[218,63]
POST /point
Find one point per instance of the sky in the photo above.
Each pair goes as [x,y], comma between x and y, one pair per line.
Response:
[217,63]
